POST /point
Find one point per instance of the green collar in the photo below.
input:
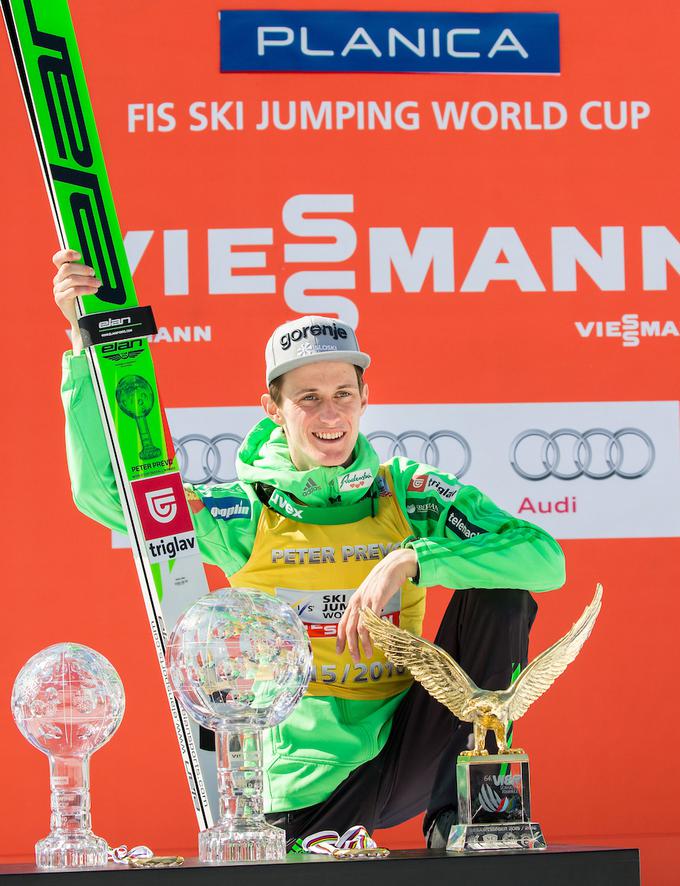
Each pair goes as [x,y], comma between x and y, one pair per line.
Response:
[327,515]
[264,459]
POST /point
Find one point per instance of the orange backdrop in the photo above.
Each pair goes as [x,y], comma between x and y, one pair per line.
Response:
[597,739]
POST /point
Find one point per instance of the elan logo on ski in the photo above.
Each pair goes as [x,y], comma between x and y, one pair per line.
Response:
[162,506]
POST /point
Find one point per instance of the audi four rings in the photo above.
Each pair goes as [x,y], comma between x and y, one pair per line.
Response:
[582,455]
[429,451]
[209,459]
[211,465]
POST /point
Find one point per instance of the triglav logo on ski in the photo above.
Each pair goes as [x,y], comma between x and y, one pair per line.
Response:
[162,505]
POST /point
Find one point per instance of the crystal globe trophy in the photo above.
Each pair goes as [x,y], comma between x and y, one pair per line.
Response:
[68,701]
[239,661]
[135,397]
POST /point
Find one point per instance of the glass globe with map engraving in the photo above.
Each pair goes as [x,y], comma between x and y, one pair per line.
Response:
[239,661]
[68,701]
[136,399]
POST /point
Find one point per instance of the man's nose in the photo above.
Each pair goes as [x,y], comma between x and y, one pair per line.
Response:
[329,411]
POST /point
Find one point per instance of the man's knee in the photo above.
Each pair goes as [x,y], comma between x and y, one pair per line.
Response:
[508,604]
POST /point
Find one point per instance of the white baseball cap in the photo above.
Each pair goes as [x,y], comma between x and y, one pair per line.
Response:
[310,340]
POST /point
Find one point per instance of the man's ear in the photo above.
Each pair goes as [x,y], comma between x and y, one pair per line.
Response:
[364,398]
[271,409]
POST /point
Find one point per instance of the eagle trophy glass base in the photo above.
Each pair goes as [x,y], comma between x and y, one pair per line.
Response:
[494,805]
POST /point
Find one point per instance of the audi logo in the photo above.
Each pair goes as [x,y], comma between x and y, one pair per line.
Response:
[211,459]
[204,459]
[596,453]
[429,450]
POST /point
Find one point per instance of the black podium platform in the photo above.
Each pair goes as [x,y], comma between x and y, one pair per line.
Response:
[556,866]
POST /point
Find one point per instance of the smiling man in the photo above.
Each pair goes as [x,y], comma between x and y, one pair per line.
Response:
[317,520]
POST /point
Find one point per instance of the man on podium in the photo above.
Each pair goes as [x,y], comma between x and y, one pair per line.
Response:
[317,520]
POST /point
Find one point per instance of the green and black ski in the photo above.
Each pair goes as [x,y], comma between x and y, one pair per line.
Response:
[114,328]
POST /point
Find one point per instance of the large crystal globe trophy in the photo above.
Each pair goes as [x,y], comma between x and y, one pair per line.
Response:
[239,661]
[68,701]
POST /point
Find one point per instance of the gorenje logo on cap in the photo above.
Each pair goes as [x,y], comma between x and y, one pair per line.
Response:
[314,329]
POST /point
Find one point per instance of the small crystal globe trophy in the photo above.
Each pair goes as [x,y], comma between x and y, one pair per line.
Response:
[68,701]
[239,661]
[136,399]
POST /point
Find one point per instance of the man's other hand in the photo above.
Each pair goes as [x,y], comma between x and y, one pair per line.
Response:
[382,583]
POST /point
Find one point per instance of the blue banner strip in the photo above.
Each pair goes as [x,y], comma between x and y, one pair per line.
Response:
[389,42]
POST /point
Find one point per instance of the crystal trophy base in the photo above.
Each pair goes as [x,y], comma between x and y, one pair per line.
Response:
[243,840]
[494,805]
[83,850]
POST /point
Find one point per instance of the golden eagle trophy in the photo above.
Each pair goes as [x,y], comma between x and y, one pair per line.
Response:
[494,808]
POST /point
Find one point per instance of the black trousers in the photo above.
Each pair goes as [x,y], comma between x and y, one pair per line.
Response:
[487,632]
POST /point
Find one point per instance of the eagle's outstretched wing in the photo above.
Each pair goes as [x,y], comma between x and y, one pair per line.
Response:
[435,669]
[542,672]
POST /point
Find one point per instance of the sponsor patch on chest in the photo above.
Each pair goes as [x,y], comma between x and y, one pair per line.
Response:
[320,611]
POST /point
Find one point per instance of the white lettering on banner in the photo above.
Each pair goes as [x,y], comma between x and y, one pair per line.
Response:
[659,249]
[606,269]
[339,235]
[222,261]
[273,37]
[236,115]
[335,115]
[507,42]
[487,266]
[605,115]
[154,118]
[176,262]
[341,245]
[484,115]
[433,249]
[135,243]
[396,262]
[630,329]
[215,115]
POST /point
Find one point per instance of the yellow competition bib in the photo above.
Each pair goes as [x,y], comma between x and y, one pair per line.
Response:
[316,569]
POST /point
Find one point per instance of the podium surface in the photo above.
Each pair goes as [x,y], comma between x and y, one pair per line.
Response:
[557,865]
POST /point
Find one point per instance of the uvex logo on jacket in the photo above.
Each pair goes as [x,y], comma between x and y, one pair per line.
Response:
[281,503]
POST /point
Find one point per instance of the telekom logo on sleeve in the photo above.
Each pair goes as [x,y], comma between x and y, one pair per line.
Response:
[162,505]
